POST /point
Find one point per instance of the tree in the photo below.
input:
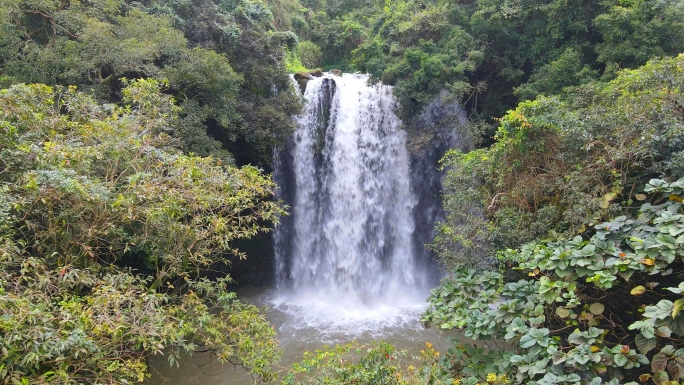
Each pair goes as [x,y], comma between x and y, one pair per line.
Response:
[635,31]
[222,59]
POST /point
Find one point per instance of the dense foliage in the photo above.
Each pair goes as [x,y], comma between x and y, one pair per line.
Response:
[105,231]
[379,364]
[564,162]
[593,309]
[491,53]
[118,200]
[222,59]
[573,201]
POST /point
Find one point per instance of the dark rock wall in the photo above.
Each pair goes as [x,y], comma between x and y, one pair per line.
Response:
[440,127]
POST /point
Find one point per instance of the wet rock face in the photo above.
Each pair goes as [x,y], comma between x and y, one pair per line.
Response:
[440,127]
[328,89]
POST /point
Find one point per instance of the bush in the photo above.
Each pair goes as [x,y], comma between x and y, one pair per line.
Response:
[105,231]
[378,364]
[603,307]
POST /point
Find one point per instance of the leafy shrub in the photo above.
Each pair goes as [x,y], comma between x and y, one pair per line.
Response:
[550,79]
[378,364]
[603,307]
[105,232]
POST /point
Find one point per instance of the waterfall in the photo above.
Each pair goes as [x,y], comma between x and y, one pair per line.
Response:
[348,245]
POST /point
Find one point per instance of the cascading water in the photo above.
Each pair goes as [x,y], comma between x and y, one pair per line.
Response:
[345,255]
[350,259]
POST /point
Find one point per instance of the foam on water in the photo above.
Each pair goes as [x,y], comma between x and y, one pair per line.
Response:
[321,320]
[344,259]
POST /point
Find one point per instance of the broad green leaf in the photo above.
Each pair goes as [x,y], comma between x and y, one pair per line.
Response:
[620,360]
[575,338]
[664,331]
[527,341]
[644,344]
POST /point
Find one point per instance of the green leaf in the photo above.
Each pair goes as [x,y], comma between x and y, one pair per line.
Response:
[664,331]
[677,290]
[575,338]
[588,250]
[558,358]
[620,360]
[527,341]
[668,350]
[644,344]
[661,310]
